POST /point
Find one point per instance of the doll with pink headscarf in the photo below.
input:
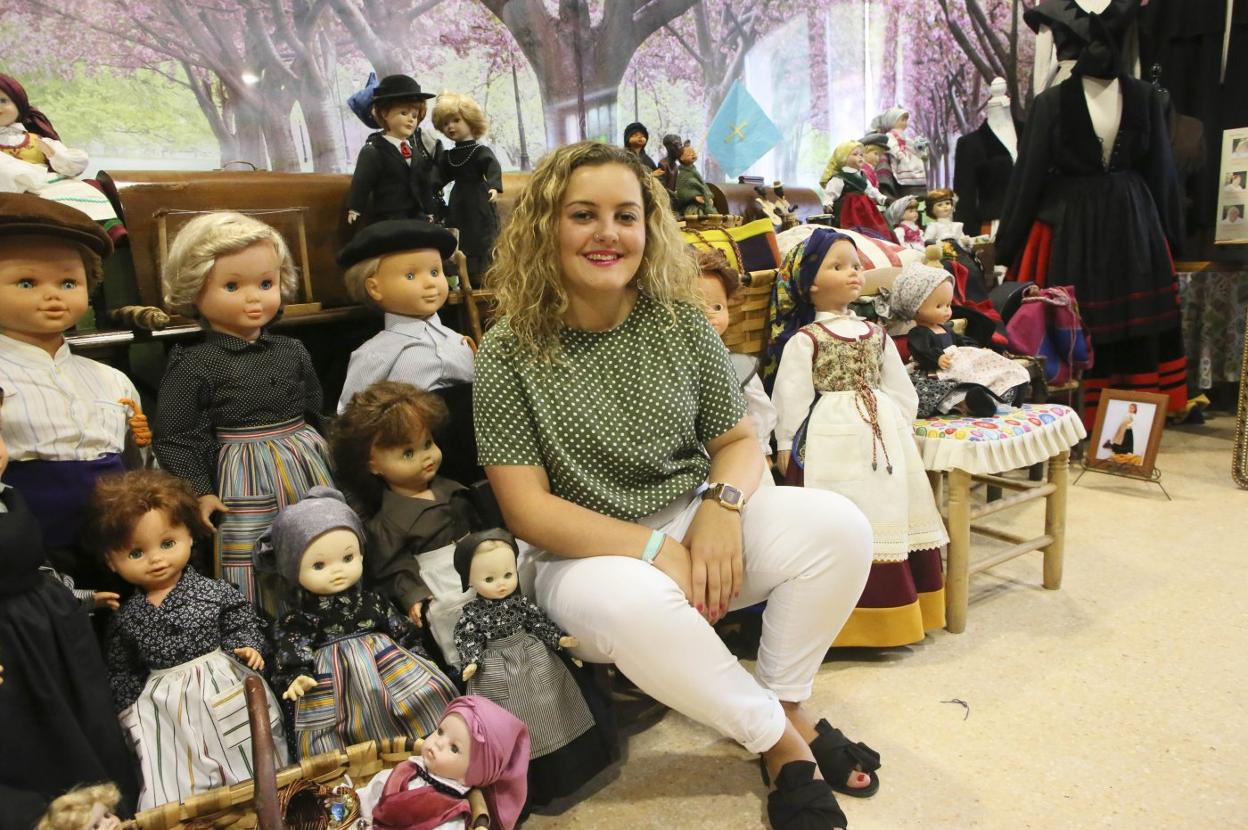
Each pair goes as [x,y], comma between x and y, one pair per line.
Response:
[478,745]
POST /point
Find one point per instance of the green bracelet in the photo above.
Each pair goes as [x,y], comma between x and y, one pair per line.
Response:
[653,546]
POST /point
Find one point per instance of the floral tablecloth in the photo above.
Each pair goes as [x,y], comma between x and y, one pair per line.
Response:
[1024,436]
[1214,307]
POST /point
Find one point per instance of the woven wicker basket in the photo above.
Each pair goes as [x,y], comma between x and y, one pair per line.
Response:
[747,313]
[711,222]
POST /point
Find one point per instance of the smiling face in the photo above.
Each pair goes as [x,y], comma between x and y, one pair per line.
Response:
[839,279]
[407,468]
[332,563]
[8,110]
[602,230]
[43,290]
[410,283]
[400,119]
[492,573]
[242,292]
[447,751]
[156,554]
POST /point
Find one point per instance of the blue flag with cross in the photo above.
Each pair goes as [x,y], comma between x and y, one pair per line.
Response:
[741,133]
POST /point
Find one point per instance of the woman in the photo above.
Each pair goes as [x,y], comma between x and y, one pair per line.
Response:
[604,405]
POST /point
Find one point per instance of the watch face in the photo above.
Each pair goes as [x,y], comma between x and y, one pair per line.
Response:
[730,495]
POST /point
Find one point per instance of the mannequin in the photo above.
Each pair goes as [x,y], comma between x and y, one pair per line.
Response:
[983,161]
[1062,29]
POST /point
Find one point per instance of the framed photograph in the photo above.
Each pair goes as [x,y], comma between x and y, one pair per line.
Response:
[1232,227]
[1127,432]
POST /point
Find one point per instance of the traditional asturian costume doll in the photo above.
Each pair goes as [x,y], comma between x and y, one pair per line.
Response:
[479,747]
[636,136]
[398,171]
[396,267]
[907,157]
[476,175]
[236,411]
[845,406]
[693,197]
[66,418]
[874,154]
[507,647]
[940,208]
[181,647]
[388,462]
[903,215]
[854,202]
[33,159]
[348,660]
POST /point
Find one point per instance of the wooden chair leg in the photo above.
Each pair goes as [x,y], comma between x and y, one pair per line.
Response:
[957,560]
[1055,520]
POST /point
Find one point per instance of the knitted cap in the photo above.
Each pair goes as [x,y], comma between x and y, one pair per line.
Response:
[280,549]
[913,285]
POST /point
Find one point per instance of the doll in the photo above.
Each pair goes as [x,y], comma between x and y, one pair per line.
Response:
[51,694]
[854,201]
[903,215]
[669,165]
[476,175]
[397,172]
[942,227]
[181,647]
[478,745]
[344,656]
[874,153]
[693,197]
[33,160]
[507,646]
[84,808]
[924,294]
[907,158]
[845,405]
[636,137]
[234,410]
[67,423]
[396,267]
[720,282]
[388,463]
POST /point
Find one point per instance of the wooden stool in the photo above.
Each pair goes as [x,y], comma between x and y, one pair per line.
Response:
[966,449]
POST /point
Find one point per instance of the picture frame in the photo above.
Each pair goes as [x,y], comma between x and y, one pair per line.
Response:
[1127,433]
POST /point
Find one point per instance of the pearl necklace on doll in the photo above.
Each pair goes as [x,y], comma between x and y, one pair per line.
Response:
[472,148]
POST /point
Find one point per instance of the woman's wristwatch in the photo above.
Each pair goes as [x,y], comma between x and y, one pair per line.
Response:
[729,497]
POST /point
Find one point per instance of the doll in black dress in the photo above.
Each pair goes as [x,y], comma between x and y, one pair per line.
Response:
[476,175]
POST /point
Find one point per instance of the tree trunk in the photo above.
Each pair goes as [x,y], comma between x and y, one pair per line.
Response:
[324,132]
[524,145]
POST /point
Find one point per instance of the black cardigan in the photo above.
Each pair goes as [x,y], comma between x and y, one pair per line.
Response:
[982,167]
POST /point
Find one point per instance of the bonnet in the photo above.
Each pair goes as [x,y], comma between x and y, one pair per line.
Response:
[499,762]
[280,548]
[912,286]
[467,546]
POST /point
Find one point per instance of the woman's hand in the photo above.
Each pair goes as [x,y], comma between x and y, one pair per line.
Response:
[716,565]
[673,560]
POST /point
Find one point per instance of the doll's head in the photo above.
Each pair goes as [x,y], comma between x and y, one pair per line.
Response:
[398,105]
[15,107]
[688,155]
[459,117]
[231,270]
[848,154]
[315,544]
[143,524]
[673,146]
[719,282]
[923,294]
[874,147]
[894,118]
[904,209]
[794,299]
[837,280]
[83,808]
[636,136]
[384,440]
[486,562]
[940,203]
[493,754]
[396,266]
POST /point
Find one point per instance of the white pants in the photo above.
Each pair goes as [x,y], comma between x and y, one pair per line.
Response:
[807,552]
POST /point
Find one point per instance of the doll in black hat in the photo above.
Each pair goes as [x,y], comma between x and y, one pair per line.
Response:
[635,138]
[396,175]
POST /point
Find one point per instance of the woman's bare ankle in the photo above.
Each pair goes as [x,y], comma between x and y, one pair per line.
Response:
[801,721]
[791,747]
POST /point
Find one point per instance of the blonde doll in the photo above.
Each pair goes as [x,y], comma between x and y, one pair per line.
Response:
[236,410]
[845,406]
[476,175]
[854,200]
[83,808]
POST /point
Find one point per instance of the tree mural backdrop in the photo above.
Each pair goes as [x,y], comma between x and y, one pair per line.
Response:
[199,83]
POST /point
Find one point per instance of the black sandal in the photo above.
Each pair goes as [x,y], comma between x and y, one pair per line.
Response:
[802,802]
[838,757]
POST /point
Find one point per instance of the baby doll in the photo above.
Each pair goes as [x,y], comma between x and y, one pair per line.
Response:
[66,420]
[507,645]
[924,294]
[942,226]
[635,138]
[907,158]
[476,174]
[388,463]
[903,215]
[51,694]
[84,808]
[398,169]
[33,160]
[693,197]
[845,405]
[478,745]
[396,267]
[344,656]
[233,412]
[854,201]
[180,648]
[720,282]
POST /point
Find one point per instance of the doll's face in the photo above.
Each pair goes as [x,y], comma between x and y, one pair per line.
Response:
[493,571]
[839,280]
[410,283]
[456,128]
[332,563]
[156,554]
[712,288]
[602,229]
[943,209]
[688,155]
[902,122]
[636,140]
[8,110]
[910,214]
[43,288]
[872,153]
[243,291]
[854,159]
[407,468]
[938,307]
[447,751]
[400,119]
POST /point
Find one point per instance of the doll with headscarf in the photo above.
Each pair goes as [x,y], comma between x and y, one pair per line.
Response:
[854,201]
[845,407]
[346,658]
[903,215]
[477,745]
[33,159]
[907,157]
[507,645]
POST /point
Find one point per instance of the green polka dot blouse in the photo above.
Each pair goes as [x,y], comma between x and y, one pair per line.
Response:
[620,425]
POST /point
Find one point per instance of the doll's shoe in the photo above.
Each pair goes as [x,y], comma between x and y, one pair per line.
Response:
[838,758]
[980,402]
[802,802]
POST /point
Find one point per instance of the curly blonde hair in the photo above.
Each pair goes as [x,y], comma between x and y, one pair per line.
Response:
[452,103]
[525,276]
[195,250]
[73,810]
